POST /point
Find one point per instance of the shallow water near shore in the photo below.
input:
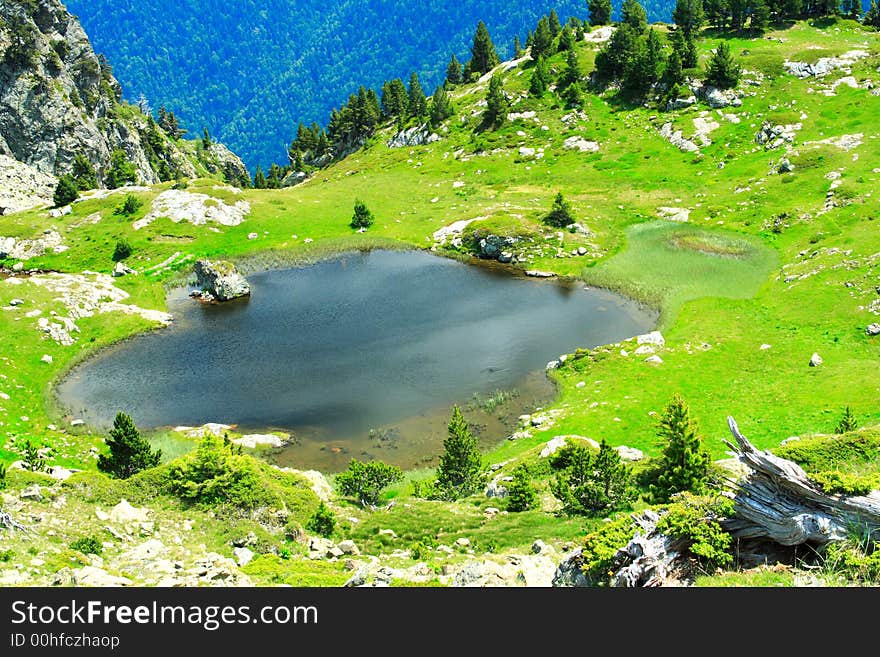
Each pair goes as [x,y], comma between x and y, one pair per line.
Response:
[359,356]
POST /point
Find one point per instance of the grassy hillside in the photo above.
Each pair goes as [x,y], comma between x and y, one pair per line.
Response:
[768,268]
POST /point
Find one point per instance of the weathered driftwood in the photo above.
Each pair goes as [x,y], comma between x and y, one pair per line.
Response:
[8,522]
[650,559]
[778,501]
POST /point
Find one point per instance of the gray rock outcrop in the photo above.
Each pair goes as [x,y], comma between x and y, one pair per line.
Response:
[416,136]
[493,246]
[59,99]
[220,281]
[22,187]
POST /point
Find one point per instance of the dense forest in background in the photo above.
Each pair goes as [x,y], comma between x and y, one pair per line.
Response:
[250,71]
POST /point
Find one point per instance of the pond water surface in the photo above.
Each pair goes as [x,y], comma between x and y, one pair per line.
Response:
[362,355]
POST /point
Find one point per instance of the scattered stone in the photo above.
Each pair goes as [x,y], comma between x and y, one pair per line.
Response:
[765,347]
[15,302]
[815,360]
[390,533]
[348,547]
[680,103]
[629,453]
[59,473]
[784,166]
[540,547]
[462,542]
[536,273]
[414,136]
[578,143]
[243,556]
[654,360]
[121,269]
[654,338]
[221,280]
[253,236]
[570,571]
[873,329]
[32,492]
[146,551]
[552,365]
[491,512]
[253,440]
[46,358]
[675,138]
[92,576]
[557,442]
[719,98]
[824,65]
[525,151]
[125,513]
[197,209]
[494,489]
[77,423]
[493,246]
[674,214]
[294,178]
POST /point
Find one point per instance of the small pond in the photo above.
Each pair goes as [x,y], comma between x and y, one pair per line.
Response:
[362,355]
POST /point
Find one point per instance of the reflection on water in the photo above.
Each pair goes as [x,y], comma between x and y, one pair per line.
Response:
[384,341]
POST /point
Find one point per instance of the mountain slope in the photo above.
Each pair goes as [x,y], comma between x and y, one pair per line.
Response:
[60,100]
[757,240]
[249,71]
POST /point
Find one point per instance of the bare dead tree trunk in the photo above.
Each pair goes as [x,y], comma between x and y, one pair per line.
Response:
[778,501]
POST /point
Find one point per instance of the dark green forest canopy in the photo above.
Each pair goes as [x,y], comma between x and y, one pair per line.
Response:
[251,71]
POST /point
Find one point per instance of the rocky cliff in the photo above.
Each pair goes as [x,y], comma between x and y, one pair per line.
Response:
[59,99]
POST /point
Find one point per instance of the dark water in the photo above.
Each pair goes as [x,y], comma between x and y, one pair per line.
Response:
[380,340]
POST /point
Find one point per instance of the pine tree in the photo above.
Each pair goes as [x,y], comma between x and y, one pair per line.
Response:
[847,421]
[684,45]
[441,107]
[521,493]
[206,138]
[540,78]
[643,71]
[566,39]
[461,472]
[621,48]
[673,76]
[129,451]
[453,72]
[854,11]
[634,15]
[362,217]
[554,24]
[688,16]
[395,98]
[593,483]
[723,71]
[66,191]
[83,173]
[483,55]
[259,179]
[273,180]
[496,104]
[560,215]
[600,12]
[121,171]
[542,40]
[760,19]
[418,104]
[684,463]
[517,47]
[573,96]
[872,17]
[572,73]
